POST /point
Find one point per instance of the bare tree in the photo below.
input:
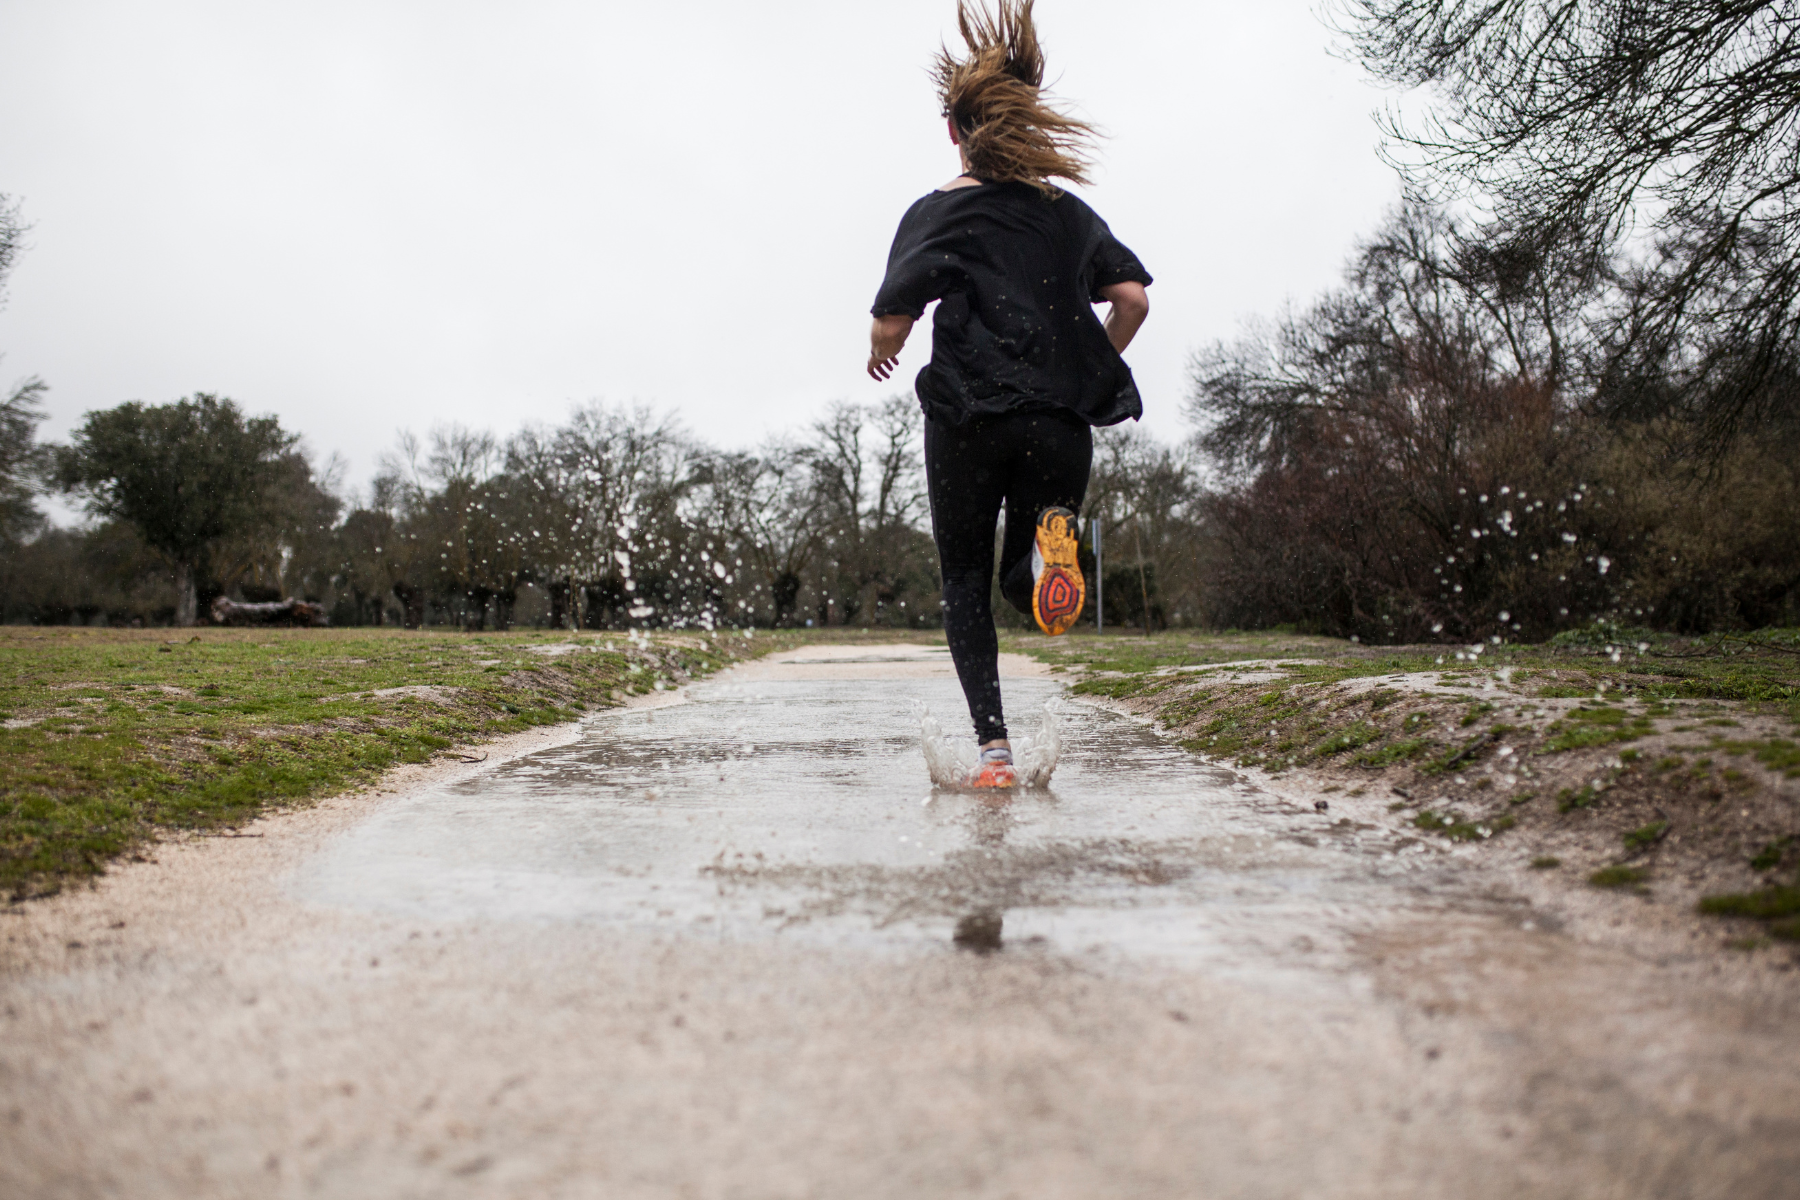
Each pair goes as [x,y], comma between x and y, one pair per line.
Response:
[22,462]
[626,471]
[868,476]
[12,239]
[764,506]
[1578,123]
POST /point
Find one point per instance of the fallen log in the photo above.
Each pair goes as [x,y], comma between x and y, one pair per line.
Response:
[278,612]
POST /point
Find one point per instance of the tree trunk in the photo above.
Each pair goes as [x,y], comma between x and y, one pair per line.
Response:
[187,602]
[475,606]
[1143,578]
[412,604]
[559,604]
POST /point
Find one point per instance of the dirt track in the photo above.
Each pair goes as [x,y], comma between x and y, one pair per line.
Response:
[712,951]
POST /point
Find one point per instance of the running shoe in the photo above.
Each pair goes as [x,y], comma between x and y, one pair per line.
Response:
[1057,590]
[995,770]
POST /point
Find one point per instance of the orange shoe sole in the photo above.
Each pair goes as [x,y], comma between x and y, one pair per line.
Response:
[993,775]
[1060,591]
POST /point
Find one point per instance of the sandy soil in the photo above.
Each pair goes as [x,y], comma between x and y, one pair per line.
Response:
[188,1028]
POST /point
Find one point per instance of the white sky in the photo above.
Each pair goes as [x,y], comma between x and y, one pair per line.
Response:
[371,215]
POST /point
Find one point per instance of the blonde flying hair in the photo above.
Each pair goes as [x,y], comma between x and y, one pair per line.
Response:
[995,99]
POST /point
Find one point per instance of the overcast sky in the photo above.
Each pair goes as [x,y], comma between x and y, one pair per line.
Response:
[373,215]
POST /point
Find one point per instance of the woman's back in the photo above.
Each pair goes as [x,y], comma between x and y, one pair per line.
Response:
[1018,269]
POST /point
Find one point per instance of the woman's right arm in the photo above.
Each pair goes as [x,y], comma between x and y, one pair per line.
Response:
[1130,305]
[886,337]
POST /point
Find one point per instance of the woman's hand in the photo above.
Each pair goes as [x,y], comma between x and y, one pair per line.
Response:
[1130,305]
[886,337]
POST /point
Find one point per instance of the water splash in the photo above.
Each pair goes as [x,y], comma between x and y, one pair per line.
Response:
[951,760]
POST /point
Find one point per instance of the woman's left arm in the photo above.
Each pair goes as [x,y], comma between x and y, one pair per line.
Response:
[1130,305]
[886,337]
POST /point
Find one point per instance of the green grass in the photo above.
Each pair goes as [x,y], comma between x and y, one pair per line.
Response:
[1359,734]
[1619,877]
[1601,725]
[1770,856]
[1645,836]
[1777,754]
[133,731]
[1570,799]
[1767,905]
[1462,831]
[1394,752]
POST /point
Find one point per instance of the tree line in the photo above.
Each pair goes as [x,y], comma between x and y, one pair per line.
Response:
[1560,383]
[1563,380]
[616,518]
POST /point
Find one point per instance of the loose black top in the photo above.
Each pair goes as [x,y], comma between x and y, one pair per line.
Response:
[1017,273]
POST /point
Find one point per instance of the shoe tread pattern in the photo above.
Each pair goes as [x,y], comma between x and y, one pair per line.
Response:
[1060,591]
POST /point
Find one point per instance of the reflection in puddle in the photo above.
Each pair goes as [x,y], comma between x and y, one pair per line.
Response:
[771,808]
[979,931]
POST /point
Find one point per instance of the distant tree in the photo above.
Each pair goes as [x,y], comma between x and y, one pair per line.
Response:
[1383,460]
[290,554]
[12,238]
[21,463]
[21,460]
[869,482]
[766,511]
[627,472]
[1145,496]
[187,476]
[1577,123]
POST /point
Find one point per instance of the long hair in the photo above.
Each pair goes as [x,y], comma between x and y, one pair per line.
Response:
[994,96]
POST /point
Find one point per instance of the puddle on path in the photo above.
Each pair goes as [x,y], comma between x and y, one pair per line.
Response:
[789,803]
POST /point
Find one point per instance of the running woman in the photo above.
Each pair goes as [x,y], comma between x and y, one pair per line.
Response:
[1021,368]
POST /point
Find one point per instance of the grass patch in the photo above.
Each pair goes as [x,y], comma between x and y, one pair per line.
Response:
[1779,906]
[1767,905]
[1645,836]
[1570,799]
[1770,856]
[1469,752]
[1619,877]
[1597,726]
[1545,862]
[1356,736]
[209,730]
[1475,713]
[1777,754]
[1401,751]
[1462,831]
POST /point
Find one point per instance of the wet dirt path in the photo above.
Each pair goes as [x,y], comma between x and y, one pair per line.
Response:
[726,948]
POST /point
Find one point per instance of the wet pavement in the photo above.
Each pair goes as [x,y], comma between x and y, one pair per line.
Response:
[737,946]
[794,805]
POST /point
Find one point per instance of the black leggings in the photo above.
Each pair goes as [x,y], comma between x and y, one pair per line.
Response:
[1029,462]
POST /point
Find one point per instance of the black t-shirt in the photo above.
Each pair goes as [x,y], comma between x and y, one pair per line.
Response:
[1017,274]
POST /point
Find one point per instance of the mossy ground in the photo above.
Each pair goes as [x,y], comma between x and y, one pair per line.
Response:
[111,736]
[1656,764]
